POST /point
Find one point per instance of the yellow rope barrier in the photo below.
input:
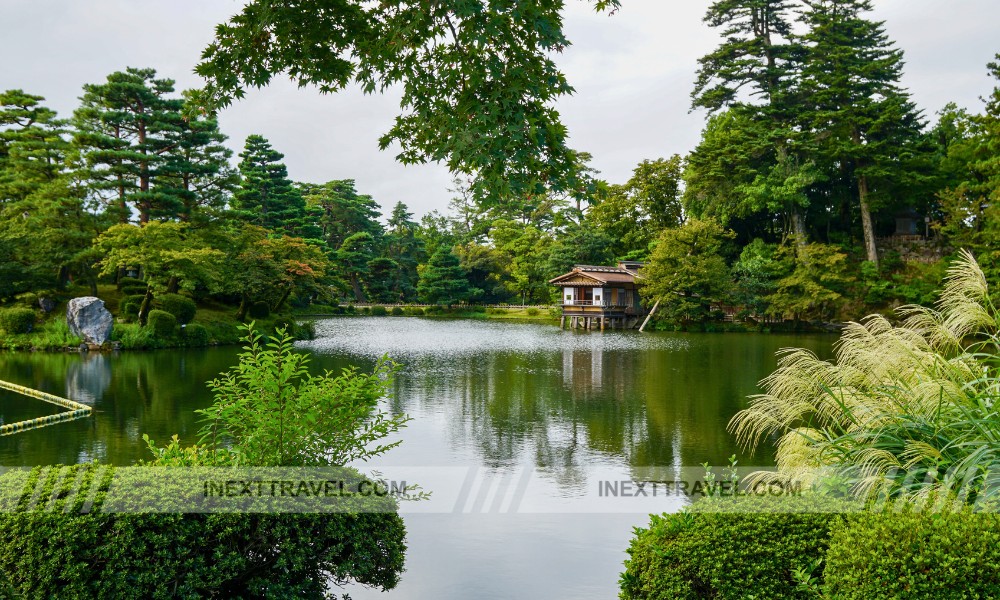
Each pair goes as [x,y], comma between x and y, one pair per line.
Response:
[76,410]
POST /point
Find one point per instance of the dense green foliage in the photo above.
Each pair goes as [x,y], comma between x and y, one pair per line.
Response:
[914,555]
[748,548]
[181,307]
[903,411]
[162,323]
[813,158]
[169,555]
[17,320]
[812,547]
[269,411]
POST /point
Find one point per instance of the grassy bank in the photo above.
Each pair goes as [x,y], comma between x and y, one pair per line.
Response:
[213,324]
[539,314]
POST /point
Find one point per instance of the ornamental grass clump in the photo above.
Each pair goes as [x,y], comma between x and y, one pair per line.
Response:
[903,412]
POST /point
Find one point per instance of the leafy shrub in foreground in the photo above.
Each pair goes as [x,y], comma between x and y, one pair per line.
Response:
[728,549]
[914,555]
[17,320]
[162,323]
[180,306]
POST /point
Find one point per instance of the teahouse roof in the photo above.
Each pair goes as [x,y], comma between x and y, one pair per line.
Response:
[591,275]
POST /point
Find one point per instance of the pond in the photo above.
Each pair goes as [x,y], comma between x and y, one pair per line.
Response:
[491,396]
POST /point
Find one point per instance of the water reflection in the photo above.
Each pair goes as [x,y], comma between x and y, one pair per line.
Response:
[494,395]
[88,378]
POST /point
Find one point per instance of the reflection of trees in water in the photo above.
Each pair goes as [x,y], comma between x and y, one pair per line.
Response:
[654,407]
[133,393]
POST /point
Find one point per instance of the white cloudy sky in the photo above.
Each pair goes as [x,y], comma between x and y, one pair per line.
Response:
[633,73]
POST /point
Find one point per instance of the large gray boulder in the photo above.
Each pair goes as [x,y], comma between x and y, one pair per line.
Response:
[88,319]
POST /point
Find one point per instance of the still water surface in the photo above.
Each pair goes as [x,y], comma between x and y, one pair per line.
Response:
[490,395]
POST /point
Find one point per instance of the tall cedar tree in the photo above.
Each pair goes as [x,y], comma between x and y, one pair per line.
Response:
[266,197]
[864,121]
[124,127]
[339,211]
[754,73]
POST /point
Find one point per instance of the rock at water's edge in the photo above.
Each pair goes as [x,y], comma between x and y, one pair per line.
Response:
[88,319]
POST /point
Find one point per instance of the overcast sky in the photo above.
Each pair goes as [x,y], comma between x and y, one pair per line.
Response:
[633,74]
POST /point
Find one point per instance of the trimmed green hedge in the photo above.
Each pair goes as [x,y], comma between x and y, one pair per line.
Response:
[130,305]
[181,307]
[728,549]
[17,320]
[162,323]
[130,286]
[914,555]
[379,311]
[397,311]
[57,554]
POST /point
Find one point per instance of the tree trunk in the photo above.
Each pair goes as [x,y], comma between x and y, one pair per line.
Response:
[359,295]
[147,301]
[244,306]
[172,285]
[277,307]
[144,204]
[866,220]
[799,226]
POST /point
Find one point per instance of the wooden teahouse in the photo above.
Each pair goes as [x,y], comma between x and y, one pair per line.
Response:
[596,296]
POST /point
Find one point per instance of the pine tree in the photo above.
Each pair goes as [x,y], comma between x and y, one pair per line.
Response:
[863,120]
[405,250]
[443,280]
[197,169]
[33,147]
[266,196]
[339,211]
[124,127]
[754,73]
[43,214]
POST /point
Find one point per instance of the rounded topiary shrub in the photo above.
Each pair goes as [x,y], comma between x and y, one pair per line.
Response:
[162,323]
[196,335]
[742,548]
[17,320]
[259,310]
[415,311]
[397,311]
[914,555]
[181,307]
[532,312]
[130,305]
[379,311]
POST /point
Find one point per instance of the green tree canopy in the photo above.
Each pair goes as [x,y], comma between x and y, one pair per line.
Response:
[124,127]
[687,273]
[443,280]
[478,78]
[266,196]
